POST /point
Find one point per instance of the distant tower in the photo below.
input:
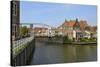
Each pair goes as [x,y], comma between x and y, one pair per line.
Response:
[15,17]
[76,19]
[31,29]
[65,20]
[76,25]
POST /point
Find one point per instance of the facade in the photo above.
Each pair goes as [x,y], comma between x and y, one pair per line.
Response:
[40,31]
[90,32]
[15,16]
[75,29]
[94,32]
[87,34]
[71,29]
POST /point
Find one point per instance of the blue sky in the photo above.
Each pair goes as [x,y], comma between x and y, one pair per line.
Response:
[54,14]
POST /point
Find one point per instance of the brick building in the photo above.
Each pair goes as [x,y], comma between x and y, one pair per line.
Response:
[15,18]
[72,29]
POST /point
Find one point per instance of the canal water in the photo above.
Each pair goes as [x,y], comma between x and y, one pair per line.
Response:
[52,53]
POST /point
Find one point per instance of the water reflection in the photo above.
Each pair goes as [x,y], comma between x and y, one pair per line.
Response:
[86,53]
[48,53]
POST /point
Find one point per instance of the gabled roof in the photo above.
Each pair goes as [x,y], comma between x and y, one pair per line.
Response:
[69,23]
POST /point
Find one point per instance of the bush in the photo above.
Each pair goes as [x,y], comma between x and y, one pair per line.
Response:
[88,40]
[66,40]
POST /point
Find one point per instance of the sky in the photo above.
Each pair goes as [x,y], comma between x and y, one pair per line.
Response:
[54,14]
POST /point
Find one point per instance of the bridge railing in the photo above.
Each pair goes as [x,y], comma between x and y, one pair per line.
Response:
[19,45]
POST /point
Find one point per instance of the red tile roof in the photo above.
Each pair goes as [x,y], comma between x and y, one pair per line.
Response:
[69,23]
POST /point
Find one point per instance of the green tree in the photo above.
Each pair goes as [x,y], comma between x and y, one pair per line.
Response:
[24,31]
[65,39]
